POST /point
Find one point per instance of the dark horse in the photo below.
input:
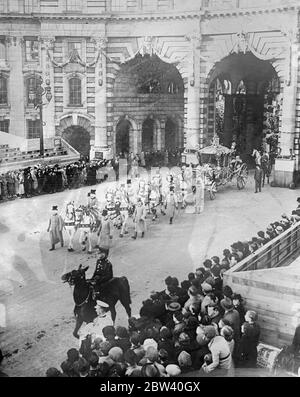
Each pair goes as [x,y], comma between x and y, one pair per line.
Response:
[114,290]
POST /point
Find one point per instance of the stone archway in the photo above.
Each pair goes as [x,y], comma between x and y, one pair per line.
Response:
[171,134]
[245,104]
[78,132]
[148,135]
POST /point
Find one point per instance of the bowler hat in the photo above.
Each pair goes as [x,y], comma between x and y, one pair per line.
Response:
[226,304]
[173,306]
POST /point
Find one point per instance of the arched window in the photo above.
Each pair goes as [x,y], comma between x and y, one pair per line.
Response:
[75,91]
[3,90]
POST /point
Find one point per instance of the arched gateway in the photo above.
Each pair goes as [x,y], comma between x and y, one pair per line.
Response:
[244,94]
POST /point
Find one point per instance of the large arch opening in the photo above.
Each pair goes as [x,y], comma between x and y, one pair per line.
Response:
[171,135]
[244,95]
[123,132]
[148,135]
[78,138]
[147,85]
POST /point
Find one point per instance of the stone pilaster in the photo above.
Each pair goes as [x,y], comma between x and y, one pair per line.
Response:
[289,104]
[192,132]
[48,74]
[17,88]
[100,100]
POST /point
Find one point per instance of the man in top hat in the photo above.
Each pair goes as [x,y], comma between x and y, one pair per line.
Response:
[55,228]
[92,199]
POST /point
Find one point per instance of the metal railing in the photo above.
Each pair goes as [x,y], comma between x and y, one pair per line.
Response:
[274,254]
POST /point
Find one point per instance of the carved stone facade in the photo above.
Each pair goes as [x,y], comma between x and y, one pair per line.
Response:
[194,38]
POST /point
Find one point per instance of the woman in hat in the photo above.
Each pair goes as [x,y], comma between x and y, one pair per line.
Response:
[55,227]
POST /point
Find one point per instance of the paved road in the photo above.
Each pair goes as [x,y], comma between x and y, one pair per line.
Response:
[36,320]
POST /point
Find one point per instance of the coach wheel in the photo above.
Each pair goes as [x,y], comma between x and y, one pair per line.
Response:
[213,191]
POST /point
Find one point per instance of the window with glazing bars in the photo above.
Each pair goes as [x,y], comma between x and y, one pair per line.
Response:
[3,90]
[75,91]
[4,126]
[118,5]
[31,50]
[33,129]
[74,5]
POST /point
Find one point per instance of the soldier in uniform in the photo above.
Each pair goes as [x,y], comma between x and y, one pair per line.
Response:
[55,228]
[104,270]
[139,218]
[104,233]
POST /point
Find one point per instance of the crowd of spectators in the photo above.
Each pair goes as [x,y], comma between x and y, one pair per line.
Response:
[41,178]
[196,325]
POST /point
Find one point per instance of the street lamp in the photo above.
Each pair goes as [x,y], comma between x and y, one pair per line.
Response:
[37,98]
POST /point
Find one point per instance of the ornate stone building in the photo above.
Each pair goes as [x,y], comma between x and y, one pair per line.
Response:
[132,75]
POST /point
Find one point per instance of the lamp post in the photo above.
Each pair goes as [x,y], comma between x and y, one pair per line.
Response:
[37,97]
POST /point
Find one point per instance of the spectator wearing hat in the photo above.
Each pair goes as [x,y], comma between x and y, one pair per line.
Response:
[246,352]
[179,324]
[237,301]
[131,360]
[94,365]
[55,228]
[166,342]
[209,298]
[234,259]
[227,333]
[185,362]
[194,299]
[151,357]
[82,367]
[207,265]
[218,282]
[215,312]
[220,360]
[123,338]
[232,317]
[136,345]
[173,370]
[67,366]
[51,373]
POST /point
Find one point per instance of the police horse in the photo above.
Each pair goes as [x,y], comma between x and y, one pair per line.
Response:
[112,291]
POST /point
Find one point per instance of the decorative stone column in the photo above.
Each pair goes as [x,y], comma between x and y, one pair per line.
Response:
[47,44]
[100,147]
[193,95]
[17,98]
[285,167]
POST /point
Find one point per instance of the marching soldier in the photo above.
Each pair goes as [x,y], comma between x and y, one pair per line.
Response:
[55,227]
[139,218]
